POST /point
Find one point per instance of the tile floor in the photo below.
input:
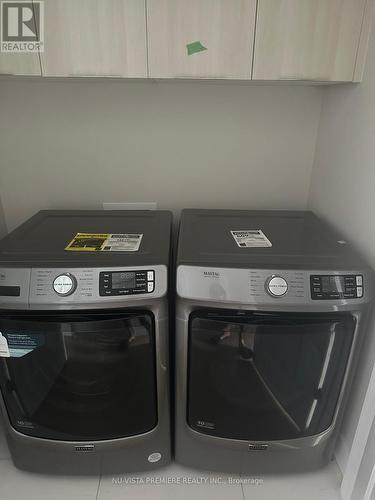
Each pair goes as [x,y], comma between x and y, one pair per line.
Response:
[171,483]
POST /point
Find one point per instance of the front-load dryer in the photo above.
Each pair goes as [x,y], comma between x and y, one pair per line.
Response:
[84,341]
[271,308]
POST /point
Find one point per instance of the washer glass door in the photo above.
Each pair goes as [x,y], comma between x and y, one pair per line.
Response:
[79,376]
[265,376]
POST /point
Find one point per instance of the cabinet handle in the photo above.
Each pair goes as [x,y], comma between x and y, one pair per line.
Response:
[96,75]
[304,79]
[203,77]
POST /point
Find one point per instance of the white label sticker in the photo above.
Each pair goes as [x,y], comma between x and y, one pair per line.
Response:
[123,243]
[16,345]
[251,238]
[4,349]
[154,457]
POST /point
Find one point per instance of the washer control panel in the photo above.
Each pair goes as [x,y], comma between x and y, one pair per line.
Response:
[64,284]
[276,286]
[81,287]
[126,282]
[331,287]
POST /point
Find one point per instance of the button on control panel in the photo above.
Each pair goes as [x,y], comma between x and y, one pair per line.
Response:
[276,286]
[126,282]
[64,284]
[330,287]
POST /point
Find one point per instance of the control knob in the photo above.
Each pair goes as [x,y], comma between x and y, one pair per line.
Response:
[276,286]
[64,284]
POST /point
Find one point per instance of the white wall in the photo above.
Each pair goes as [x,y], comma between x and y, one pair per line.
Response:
[343,191]
[75,144]
[2,221]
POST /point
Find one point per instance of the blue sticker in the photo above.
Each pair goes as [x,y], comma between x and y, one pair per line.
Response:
[21,344]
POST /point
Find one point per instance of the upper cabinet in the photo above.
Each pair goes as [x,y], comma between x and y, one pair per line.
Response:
[19,64]
[200,38]
[308,39]
[18,28]
[303,40]
[95,38]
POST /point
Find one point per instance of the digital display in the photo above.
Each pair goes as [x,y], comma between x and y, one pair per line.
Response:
[333,284]
[123,281]
[333,287]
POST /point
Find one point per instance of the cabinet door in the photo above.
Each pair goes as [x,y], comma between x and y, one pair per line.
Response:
[19,64]
[307,39]
[200,38]
[95,38]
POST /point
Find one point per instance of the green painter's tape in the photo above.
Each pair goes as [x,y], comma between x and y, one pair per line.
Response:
[194,47]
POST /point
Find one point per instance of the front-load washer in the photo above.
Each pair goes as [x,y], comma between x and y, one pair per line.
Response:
[84,341]
[271,308]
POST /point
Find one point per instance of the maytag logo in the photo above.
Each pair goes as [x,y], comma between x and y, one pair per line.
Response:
[85,448]
[211,274]
[258,447]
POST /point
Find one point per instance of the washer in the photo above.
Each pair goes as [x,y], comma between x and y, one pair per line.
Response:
[271,309]
[84,341]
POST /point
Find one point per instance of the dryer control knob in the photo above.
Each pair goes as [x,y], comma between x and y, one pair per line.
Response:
[64,284]
[276,286]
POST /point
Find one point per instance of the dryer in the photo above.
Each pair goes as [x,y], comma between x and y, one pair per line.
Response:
[84,341]
[271,309]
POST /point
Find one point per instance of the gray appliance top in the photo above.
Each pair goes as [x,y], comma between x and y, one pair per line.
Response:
[41,241]
[300,240]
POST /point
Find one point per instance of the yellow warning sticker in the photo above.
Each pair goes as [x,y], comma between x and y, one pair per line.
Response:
[95,242]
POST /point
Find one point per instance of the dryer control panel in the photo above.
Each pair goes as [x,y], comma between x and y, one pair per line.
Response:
[274,287]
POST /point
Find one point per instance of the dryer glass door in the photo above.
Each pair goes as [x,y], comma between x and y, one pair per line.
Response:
[79,376]
[265,376]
